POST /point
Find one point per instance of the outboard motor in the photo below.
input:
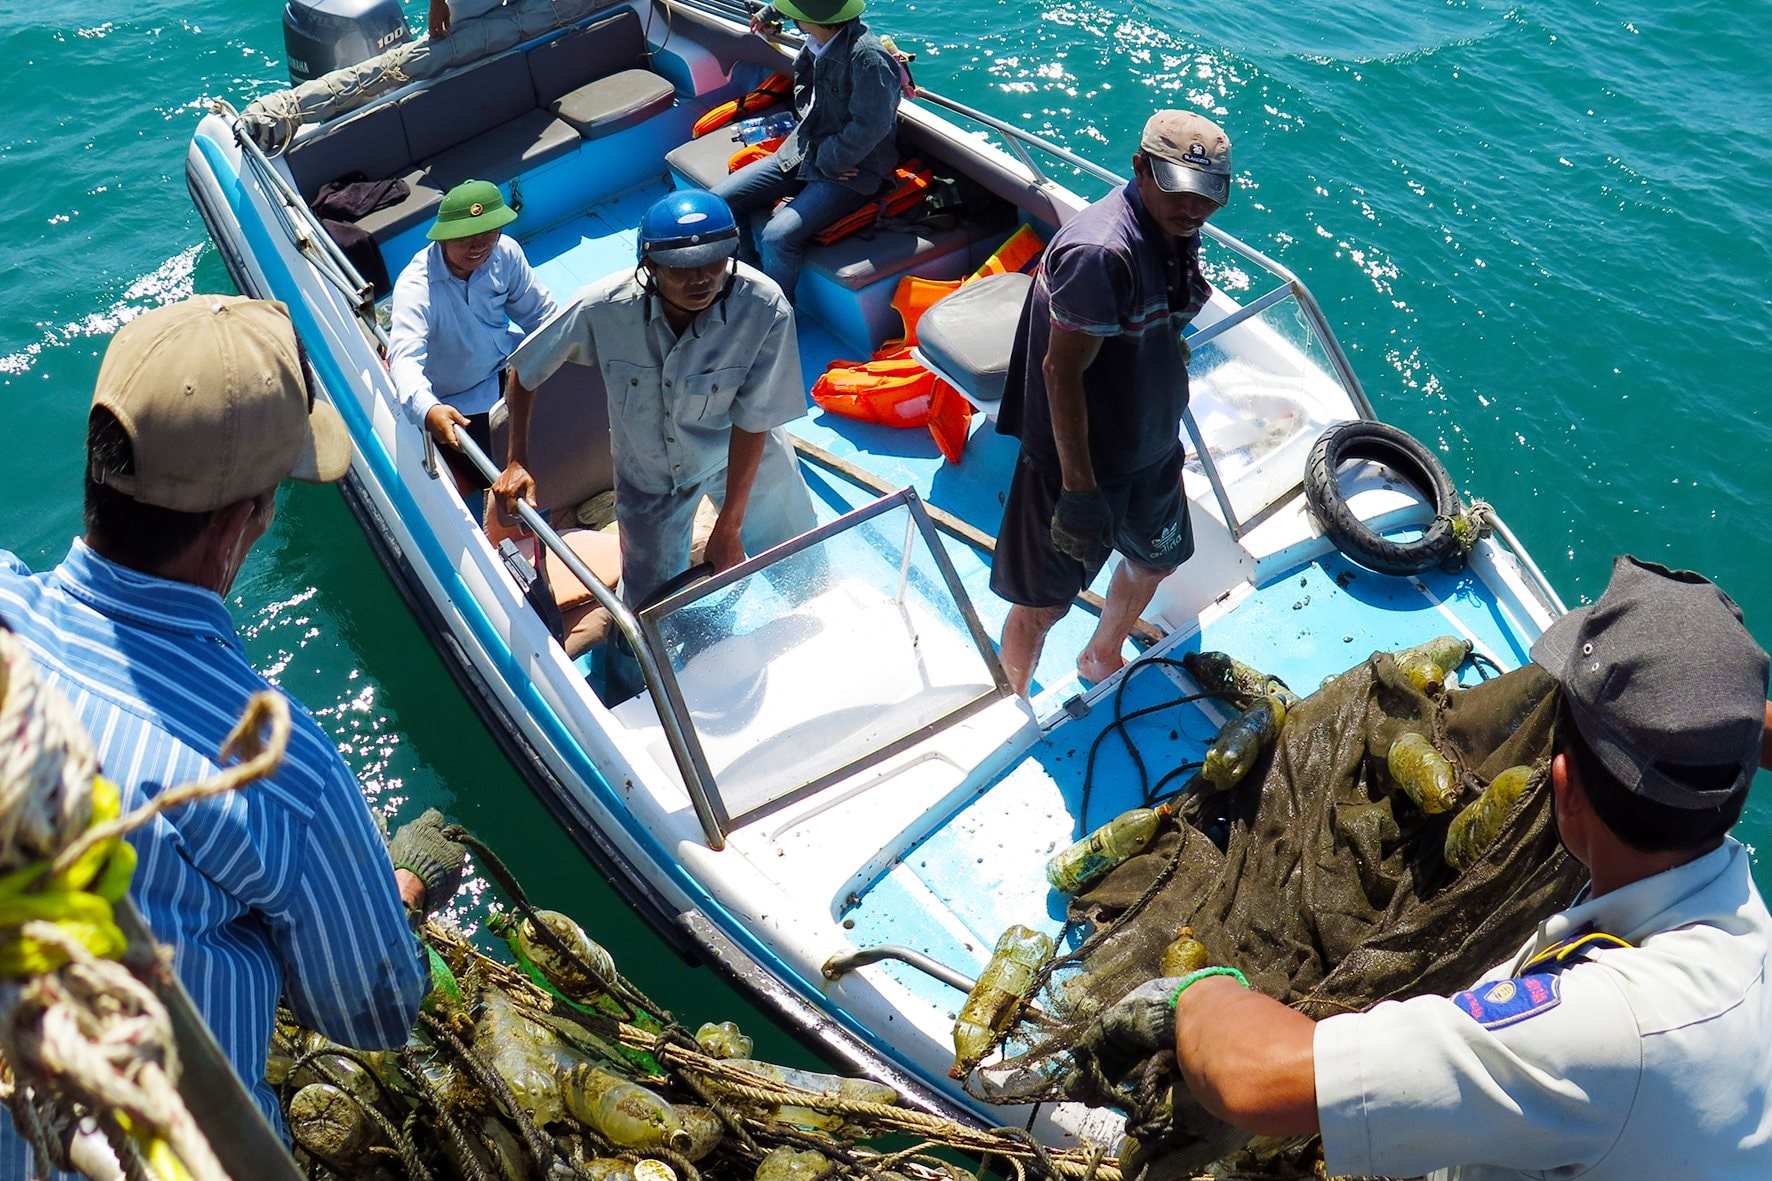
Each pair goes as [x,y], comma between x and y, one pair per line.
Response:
[320,36]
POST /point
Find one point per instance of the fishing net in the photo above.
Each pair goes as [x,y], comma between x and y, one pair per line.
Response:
[1321,881]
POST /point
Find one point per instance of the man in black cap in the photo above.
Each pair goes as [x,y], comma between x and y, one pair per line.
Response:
[1096,387]
[1629,1037]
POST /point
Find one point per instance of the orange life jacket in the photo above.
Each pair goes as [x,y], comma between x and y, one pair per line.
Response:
[915,294]
[894,390]
[776,86]
[753,152]
[910,181]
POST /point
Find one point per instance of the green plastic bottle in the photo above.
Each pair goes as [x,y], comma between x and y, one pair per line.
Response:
[1430,666]
[1473,830]
[1185,954]
[1077,867]
[1002,988]
[622,1112]
[330,1124]
[1233,753]
[785,1164]
[568,973]
[723,1040]
[1425,775]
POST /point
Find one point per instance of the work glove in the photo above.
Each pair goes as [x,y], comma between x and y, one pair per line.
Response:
[1123,1037]
[421,848]
[1142,1022]
[1082,525]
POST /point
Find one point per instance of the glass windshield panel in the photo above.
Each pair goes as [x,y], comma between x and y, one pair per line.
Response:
[1261,393]
[823,658]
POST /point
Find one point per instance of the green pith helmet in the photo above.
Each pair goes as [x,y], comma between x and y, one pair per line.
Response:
[819,12]
[471,207]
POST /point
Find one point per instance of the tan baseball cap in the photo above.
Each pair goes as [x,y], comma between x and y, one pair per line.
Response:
[1189,154]
[212,395]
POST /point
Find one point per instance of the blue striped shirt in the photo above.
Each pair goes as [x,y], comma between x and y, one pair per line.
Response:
[283,888]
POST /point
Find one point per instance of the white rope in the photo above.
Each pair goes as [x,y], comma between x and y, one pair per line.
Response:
[46,764]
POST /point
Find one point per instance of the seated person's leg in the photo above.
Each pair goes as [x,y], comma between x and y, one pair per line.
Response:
[783,244]
[752,192]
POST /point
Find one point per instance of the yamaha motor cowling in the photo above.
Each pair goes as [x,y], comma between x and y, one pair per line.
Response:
[319,36]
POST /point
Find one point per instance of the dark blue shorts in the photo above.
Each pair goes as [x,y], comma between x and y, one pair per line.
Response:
[1151,528]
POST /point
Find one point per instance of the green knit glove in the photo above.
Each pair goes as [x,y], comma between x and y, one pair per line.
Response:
[421,848]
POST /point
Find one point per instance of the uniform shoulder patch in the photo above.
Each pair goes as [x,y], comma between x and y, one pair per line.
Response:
[1501,1003]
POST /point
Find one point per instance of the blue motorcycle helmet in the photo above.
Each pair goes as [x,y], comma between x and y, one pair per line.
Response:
[689,228]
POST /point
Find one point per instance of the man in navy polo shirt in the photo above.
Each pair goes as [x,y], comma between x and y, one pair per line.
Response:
[1096,388]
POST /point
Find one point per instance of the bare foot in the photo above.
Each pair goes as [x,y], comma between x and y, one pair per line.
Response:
[1093,668]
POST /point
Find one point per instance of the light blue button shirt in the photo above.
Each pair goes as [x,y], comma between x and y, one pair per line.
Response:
[450,336]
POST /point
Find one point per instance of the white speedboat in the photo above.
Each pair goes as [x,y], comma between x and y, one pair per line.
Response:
[827,787]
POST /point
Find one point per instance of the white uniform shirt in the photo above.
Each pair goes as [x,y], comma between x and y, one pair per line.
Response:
[449,337]
[1637,1062]
[673,400]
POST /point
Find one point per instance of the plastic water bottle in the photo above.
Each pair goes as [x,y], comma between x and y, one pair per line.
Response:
[1083,863]
[1002,988]
[758,128]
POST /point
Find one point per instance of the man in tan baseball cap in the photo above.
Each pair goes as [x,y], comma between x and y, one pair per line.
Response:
[201,409]
[1096,388]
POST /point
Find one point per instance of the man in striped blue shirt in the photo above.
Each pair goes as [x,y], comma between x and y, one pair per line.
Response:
[282,889]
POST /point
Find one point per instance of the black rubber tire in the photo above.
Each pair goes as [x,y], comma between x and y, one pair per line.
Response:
[1413,463]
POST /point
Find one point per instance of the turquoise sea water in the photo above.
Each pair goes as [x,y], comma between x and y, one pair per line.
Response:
[1538,228]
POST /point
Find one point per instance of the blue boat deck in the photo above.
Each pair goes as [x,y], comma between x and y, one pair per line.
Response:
[1313,622]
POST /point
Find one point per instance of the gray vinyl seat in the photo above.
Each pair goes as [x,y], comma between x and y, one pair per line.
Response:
[621,91]
[702,162]
[494,120]
[568,437]
[967,337]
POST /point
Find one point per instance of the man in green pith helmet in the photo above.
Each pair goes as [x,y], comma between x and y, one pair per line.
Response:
[460,307]
[844,149]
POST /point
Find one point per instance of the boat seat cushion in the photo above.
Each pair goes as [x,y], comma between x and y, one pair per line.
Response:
[702,162]
[422,198]
[372,142]
[968,336]
[528,141]
[894,248]
[457,109]
[615,102]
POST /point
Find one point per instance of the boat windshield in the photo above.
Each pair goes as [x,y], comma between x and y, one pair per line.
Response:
[1262,388]
[822,656]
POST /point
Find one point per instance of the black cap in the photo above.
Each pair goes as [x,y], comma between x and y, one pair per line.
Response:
[1660,675]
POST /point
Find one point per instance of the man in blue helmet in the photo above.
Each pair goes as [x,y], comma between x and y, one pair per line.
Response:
[842,152]
[698,354]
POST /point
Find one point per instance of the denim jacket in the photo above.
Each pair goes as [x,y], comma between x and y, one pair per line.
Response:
[847,102]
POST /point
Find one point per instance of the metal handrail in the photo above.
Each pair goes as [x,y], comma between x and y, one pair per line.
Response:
[1524,558]
[309,236]
[684,748]
[845,962]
